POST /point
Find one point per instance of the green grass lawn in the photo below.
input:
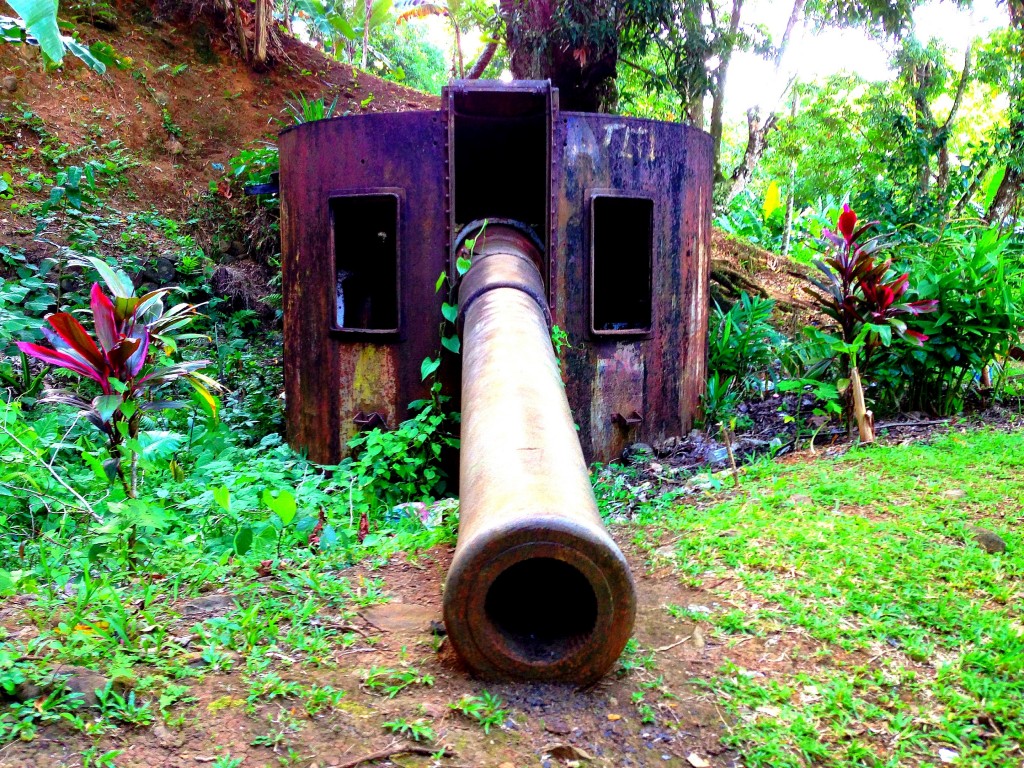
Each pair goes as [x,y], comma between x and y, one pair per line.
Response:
[911,641]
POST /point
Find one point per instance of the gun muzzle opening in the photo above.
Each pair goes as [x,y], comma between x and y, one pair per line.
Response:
[544,609]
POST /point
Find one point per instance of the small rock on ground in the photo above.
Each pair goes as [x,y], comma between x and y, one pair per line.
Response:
[557,726]
[991,542]
[209,604]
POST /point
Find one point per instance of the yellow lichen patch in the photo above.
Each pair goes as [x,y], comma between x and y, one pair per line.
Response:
[225,702]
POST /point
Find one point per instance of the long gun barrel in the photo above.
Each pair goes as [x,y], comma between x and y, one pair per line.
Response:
[537,588]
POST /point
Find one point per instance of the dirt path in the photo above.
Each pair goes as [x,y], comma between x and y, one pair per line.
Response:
[646,713]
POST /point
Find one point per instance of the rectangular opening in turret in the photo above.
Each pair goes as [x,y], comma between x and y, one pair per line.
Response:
[621,245]
[366,286]
[500,152]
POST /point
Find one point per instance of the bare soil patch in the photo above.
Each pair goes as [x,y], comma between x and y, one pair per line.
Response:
[546,724]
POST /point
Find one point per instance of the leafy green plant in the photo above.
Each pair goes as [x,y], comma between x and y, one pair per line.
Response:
[391,682]
[303,110]
[254,165]
[485,709]
[320,697]
[975,278]
[634,658]
[36,23]
[450,308]
[863,298]
[559,340]
[404,464]
[719,400]
[272,686]
[21,382]
[284,510]
[827,403]
[417,730]
[93,758]
[123,707]
[854,291]
[743,345]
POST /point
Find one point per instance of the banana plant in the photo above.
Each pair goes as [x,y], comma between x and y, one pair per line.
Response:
[415,9]
[332,24]
[36,24]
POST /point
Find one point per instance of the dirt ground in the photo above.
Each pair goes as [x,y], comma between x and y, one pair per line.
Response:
[547,725]
[183,105]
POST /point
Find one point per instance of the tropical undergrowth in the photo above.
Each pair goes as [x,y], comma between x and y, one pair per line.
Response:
[130,490]
[929,318]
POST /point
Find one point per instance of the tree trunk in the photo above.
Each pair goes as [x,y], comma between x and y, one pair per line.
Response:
[757,141]
[264,17]
[787,227]
[235,9]
[584,72]
[460,67]
[480,65]
[366,31]
[864,418]
[758,132]
[1006,197]
[942,175]
[965,198]
[1009,190]
[794,18]
[718,104]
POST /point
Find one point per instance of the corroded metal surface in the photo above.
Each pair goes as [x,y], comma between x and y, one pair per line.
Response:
[659,374]
[537,588]
[332,375]
[555,166]
[618,215]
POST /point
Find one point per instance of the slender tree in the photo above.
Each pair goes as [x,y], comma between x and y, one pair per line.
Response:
[1007,197]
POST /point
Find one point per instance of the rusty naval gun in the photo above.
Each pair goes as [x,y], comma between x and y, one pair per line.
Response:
[595,223]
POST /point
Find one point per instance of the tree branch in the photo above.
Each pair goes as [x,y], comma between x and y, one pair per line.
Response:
[389,751]
[965,75]
[794,17]
[86,507]
[486,56]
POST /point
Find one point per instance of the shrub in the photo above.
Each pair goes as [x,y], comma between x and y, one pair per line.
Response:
[976,284]
[404,464]
[122,364]
[743,345]
[865,299]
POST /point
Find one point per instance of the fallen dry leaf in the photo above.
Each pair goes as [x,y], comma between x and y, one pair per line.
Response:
[697,761]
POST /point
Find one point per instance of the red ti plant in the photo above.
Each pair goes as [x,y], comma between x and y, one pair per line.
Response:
[862,297]
[117,360]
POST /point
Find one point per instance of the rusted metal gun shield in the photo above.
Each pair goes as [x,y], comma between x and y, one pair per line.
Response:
[490,650]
